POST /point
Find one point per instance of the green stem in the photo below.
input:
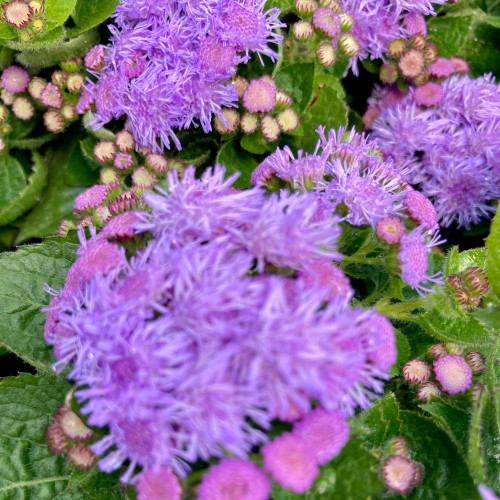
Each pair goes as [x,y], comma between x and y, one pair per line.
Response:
[279,63]
[354,259]
[400,310]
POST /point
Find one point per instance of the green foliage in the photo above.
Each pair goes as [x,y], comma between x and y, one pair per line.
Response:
[235,159]
[90,13]
[22,297]
[26,194]
[297,80]
[493,260]
[285,6]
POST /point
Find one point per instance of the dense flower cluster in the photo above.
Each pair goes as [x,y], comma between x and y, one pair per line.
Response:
[221,324]
[349,176]
[454,145]
[169,63]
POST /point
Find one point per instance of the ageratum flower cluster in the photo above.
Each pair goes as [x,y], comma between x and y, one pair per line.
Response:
[169,63]
[350,177]
[454,144]
[232,316]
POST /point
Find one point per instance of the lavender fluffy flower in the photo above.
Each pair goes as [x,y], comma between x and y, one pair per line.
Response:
[168,63]
[175,350]
[454,146]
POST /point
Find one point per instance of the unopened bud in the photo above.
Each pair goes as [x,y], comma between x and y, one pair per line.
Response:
[476,281]
[303,30]
[421,79]
[453,373]
[418,42]
[143,179]
[397,48]
[411,63]
[431,53]
[249,123]
[26,35]
[75,82]
[346,21]
[36,6]
[476,361]
[53,121]
[73,426]
[288,120]
[240,85]
[108,176]
[388,73]
[401,474]
[437,351]
[57,441]
[23,108]
[416,371]
[348,45]
[81,457]
[124,140]
[283,99]
[157,162]
[332,4]
[65,227]
[228,122]
[68,111]
[124,202]
[38,26]
[399,446]
[428,390]
[305,6]
[17,13]
[270,128]
[71,65]
[454,282]
[104,151]
[4,113]
[326,54]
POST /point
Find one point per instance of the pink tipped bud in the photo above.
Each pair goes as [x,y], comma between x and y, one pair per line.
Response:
[283,99]
[348,45]
[288,120]
[412,63]
[7,97]
[228,121]
[332,4]
[438,351]
[240,85]
[91,198]
[249,123]
[81,457]
[461,66]
[94,60]
[305,6]
[53,121]
[75,82]
[4,113]
[401,474]
[270,128]
[259,96]
[453,373]
[65,227]
[397,48]
[418,42]
[476,281]
[428,390]
[124,140]
[122,227]
[72,64]
[143,179]
[104,151]
[326,54]
[124,202]
[36,6]
[38,25]
[441,68]
[101,216]
[477,391]
[416,371]
[72,425]
[123,161]
[22,108]
[390,229]
[388,73]
[15,79]
[57,441]
[399,446]
[326,22]
[414,22]
[467,300]
[108,176]
[303,30]
[59,78]
[454,348]
[454,282]
[420,209]
[157,162]
[346,21]
[17,13]
[476,361]
[51,96]
[431,53]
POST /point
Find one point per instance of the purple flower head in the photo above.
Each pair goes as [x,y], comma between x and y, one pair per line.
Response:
[232,478]
[291,463]
[217,56]
[108,96]
[429,94]
[158,484]
[412,258]
[259,95]
[15,79]
[51,96]
[390,229]
[91,198]
[442,68]
[453,373]
[414,22]
[325,20]
[422,6]
[420,209]
[325,433]
[94,60]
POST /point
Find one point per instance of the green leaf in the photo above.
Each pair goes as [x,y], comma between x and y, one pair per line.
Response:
[403,349]
[56,203]
[493,21]
[377,425]
[493,259]
[27,468]
[449,33]
[12,180]
[79,171]
[454,421]
[297,80]
[328,110]
[351,475]
[57,11]
[464,330]
[445,473]
[52,56]
[30,143]
[236,159]
[456,262]
[22,297]
[285,6]
[90,13]
[7,32]
[30,194]
[256,143]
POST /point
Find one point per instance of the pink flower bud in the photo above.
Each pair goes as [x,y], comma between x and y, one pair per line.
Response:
[453,373]
[416,371]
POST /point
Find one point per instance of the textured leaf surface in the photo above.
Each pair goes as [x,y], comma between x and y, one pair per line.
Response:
[12,179]
[22,297]
[90,13]
[297,80]
[493,260]
[235,159]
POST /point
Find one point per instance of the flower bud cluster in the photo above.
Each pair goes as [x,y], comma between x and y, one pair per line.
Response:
[451,372]
[323,29]
[400,473]
[126,174]
[26,17]
[68,434]
[25,97]
[262,108]
[468,287]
